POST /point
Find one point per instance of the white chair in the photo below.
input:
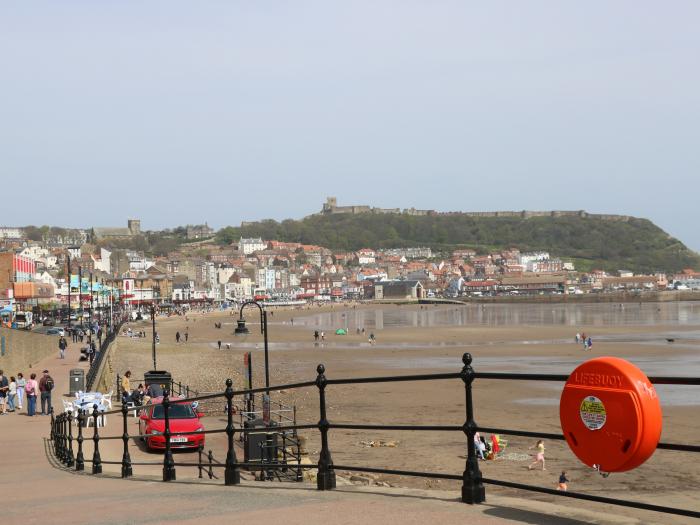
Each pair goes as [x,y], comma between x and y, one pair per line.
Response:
[68,406]
[107,400]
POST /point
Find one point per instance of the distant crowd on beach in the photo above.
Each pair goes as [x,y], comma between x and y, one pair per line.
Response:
[581,338]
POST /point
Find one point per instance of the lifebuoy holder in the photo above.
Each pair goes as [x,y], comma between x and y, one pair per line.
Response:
[610,414]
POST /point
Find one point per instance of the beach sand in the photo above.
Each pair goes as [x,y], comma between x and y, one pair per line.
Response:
[668,478]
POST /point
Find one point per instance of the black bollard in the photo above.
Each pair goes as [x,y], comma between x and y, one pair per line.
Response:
[168,462]
[96,460]
[126,458]
[472,487]
[325,480]
[80,459]
[232,476]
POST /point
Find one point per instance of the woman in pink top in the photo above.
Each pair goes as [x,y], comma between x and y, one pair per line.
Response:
[31,390]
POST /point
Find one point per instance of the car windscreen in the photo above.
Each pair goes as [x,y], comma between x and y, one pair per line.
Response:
[176,411]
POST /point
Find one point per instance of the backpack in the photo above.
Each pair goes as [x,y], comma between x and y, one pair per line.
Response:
[49,384]
[29,387]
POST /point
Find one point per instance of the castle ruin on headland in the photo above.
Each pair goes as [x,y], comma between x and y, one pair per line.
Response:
[330,207]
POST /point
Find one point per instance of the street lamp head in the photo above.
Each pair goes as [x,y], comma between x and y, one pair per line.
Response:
[241,329]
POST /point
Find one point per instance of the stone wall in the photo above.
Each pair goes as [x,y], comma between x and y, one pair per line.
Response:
[20,350]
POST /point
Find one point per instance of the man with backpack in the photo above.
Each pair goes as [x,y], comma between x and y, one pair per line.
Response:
[4,389]
[91,350]
[45,387]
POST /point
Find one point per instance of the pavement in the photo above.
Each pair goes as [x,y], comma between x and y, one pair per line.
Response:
[39,489]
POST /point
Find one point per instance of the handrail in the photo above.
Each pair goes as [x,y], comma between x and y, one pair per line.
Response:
[472,480]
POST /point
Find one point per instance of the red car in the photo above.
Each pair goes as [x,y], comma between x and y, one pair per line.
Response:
[183,418]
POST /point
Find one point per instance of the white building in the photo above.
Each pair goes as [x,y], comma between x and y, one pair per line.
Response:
[525,258]
[253,244]
[366,256]
[8,232]
[103,263]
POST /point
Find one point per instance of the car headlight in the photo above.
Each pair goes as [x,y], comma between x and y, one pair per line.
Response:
[199,430]
[156,432]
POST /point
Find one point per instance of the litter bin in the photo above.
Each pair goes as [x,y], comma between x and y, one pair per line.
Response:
[76,381]
[160,377]
[255,448]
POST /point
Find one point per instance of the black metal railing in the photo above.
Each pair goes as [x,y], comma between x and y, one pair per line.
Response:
[99,357]
[473,482]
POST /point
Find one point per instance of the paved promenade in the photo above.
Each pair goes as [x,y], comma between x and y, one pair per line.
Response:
[38,489]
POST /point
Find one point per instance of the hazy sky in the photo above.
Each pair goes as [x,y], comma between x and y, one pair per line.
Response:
[181,112]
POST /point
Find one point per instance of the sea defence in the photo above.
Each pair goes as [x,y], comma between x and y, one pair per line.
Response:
[19,349]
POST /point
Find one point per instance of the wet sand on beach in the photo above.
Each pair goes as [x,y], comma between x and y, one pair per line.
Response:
[536,343]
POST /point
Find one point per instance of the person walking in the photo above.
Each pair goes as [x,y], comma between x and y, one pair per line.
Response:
[12,394]
[177,337]
[45,387]
[589,342]
[539,457]
[91,352]
[316,336]
[21,383]
[219,343]
[4,389]
[577,338]
[187,336]
[62,344]
[31,389]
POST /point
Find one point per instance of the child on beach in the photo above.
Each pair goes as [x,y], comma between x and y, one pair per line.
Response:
[539,457]
[563,482]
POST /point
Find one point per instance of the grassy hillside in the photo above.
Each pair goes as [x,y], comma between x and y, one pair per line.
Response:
[637,245]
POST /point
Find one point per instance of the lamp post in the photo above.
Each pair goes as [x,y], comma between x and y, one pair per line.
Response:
[153,321]
[241,329]
[80,292]
[69,284]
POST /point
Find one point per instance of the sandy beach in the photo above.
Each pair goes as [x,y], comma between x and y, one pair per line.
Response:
[415,339]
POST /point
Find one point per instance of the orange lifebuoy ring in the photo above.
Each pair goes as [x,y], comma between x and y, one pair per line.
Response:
[610,414]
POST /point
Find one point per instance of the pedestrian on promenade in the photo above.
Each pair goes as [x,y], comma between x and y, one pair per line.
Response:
[4,389]
[31,389]
[316,336]
[126,384]
[539,457]
[21,383]
[45,387]
[219,343]
[589,342]
[577,338]
[177,337]
[12,394]
[91,352]
[187,336]
[62,344]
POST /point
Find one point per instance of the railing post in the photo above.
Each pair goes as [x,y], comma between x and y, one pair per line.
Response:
[59,438]
[472,488]
[126,458]
[79,459]
[168,462]
[211,464]
[70,461]
[199,459]
[64,444]
[96,460]
[325,480]
[53,430]
[232,475]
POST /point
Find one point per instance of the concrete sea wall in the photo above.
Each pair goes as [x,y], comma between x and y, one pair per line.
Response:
[20,350]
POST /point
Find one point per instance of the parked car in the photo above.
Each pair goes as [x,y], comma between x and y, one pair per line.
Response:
[183,418]
[48,322]
[56,331]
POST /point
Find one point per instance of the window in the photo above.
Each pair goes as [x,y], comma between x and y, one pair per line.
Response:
[176,411]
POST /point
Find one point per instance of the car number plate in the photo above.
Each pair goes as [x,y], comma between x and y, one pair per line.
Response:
[179,440]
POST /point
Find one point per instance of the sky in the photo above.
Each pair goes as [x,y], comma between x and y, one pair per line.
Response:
[180,112]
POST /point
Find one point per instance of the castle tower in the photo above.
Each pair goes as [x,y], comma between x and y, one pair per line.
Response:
[134,226]
[330,204]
